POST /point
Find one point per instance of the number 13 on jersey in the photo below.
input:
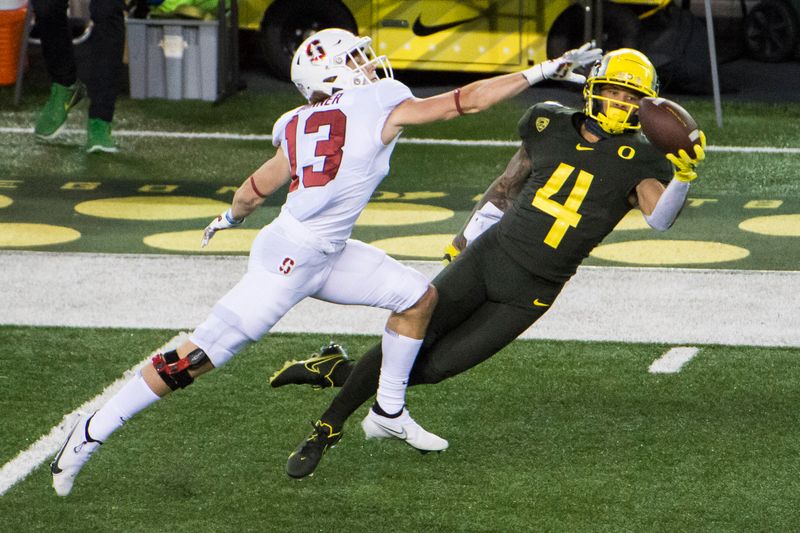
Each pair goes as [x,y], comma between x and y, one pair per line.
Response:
[329,149]
[566,215]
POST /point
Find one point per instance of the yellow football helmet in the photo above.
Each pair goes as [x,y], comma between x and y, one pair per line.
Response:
[625,68]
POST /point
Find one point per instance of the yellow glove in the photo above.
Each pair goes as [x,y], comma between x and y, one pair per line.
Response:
[450,253]
[685,164]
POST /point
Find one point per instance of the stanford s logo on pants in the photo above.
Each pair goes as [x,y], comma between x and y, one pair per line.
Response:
[286,265]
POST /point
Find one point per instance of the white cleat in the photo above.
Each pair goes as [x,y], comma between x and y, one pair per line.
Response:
[77,449]
[404,428]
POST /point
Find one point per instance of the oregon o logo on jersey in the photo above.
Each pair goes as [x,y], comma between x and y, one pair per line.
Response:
[626,152]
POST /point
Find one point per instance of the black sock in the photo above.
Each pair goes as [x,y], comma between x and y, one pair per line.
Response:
[377,408]
[342,372]
[361,385]
[86,431]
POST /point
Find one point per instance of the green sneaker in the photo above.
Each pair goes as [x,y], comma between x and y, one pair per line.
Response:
[99,137]
[54,115]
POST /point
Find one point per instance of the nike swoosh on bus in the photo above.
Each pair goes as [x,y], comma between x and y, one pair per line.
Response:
[423,30]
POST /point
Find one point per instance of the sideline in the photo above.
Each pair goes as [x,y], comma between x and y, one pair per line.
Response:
[410,140]
[623,304]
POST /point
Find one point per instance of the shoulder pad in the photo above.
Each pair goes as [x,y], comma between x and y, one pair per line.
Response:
[391,92]
[280,125]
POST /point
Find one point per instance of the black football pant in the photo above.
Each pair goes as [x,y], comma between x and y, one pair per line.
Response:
[485,302]
[106,48]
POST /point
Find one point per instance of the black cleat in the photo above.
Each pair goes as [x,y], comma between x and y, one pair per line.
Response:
[316,371]
[306,457]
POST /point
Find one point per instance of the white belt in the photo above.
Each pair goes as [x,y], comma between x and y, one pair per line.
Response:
[298,232]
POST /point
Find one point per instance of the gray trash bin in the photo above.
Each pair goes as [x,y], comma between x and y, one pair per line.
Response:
[177,59]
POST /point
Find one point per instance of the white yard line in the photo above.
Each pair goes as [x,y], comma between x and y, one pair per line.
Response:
[28,460]
[411,140]
[672,361]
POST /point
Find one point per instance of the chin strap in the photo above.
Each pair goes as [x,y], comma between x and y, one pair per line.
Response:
[595,129]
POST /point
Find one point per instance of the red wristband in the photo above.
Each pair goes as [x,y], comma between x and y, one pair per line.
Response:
[457,98]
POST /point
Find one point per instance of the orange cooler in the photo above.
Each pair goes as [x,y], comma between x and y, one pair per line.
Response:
[12,24]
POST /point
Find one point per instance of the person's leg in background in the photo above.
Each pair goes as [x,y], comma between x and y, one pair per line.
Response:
[66,91]
[107,47]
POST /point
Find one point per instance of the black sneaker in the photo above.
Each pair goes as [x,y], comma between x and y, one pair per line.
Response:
[316,371]
[306,457]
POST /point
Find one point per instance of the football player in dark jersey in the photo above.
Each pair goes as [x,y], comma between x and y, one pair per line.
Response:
[575,175]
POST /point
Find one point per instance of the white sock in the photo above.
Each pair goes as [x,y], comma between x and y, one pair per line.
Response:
[399,354]
[131,398]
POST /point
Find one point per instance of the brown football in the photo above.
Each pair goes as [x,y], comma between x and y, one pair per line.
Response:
[668,126]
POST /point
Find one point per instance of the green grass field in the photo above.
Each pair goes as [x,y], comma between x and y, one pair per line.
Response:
[546,436]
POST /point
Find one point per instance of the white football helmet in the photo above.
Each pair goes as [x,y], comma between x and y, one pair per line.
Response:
[334,59]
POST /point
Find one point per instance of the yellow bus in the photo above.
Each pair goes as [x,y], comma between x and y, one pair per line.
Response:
[466,36]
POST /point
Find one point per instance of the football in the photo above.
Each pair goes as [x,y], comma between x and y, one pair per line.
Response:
[668,126]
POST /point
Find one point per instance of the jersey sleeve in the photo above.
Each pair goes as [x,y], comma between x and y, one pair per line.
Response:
[391,92]
[664,171]
[542,111]
[524,125]
[659,166]
[279,127]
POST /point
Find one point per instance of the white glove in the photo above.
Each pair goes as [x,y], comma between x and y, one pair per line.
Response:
[223,221]
[562,68]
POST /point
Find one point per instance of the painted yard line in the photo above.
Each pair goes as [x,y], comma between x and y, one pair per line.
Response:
[27,461]
[410,140]
[672,361]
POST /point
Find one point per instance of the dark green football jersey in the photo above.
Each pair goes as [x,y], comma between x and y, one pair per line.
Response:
[577,191]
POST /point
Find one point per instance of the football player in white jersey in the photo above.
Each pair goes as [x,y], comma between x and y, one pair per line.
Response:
[333,151]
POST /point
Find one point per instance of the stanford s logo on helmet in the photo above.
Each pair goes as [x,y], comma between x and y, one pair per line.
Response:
[626,68]
[314,51]
[334,59]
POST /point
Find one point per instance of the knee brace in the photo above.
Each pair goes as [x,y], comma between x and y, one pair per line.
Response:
[175,371]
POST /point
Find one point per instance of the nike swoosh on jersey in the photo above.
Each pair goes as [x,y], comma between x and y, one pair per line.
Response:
[579,147]
[537,303]
[422,30]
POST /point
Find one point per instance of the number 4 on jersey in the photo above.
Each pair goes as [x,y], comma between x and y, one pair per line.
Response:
[566,215]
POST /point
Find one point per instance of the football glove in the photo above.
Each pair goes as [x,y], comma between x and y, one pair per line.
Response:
[685,164]
[450,253]
[223,221]
[562,67]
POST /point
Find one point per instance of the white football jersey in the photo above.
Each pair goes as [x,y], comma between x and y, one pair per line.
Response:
[336,155]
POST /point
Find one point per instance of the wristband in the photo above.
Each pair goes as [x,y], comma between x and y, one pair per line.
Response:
[229,218]
[534,74]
